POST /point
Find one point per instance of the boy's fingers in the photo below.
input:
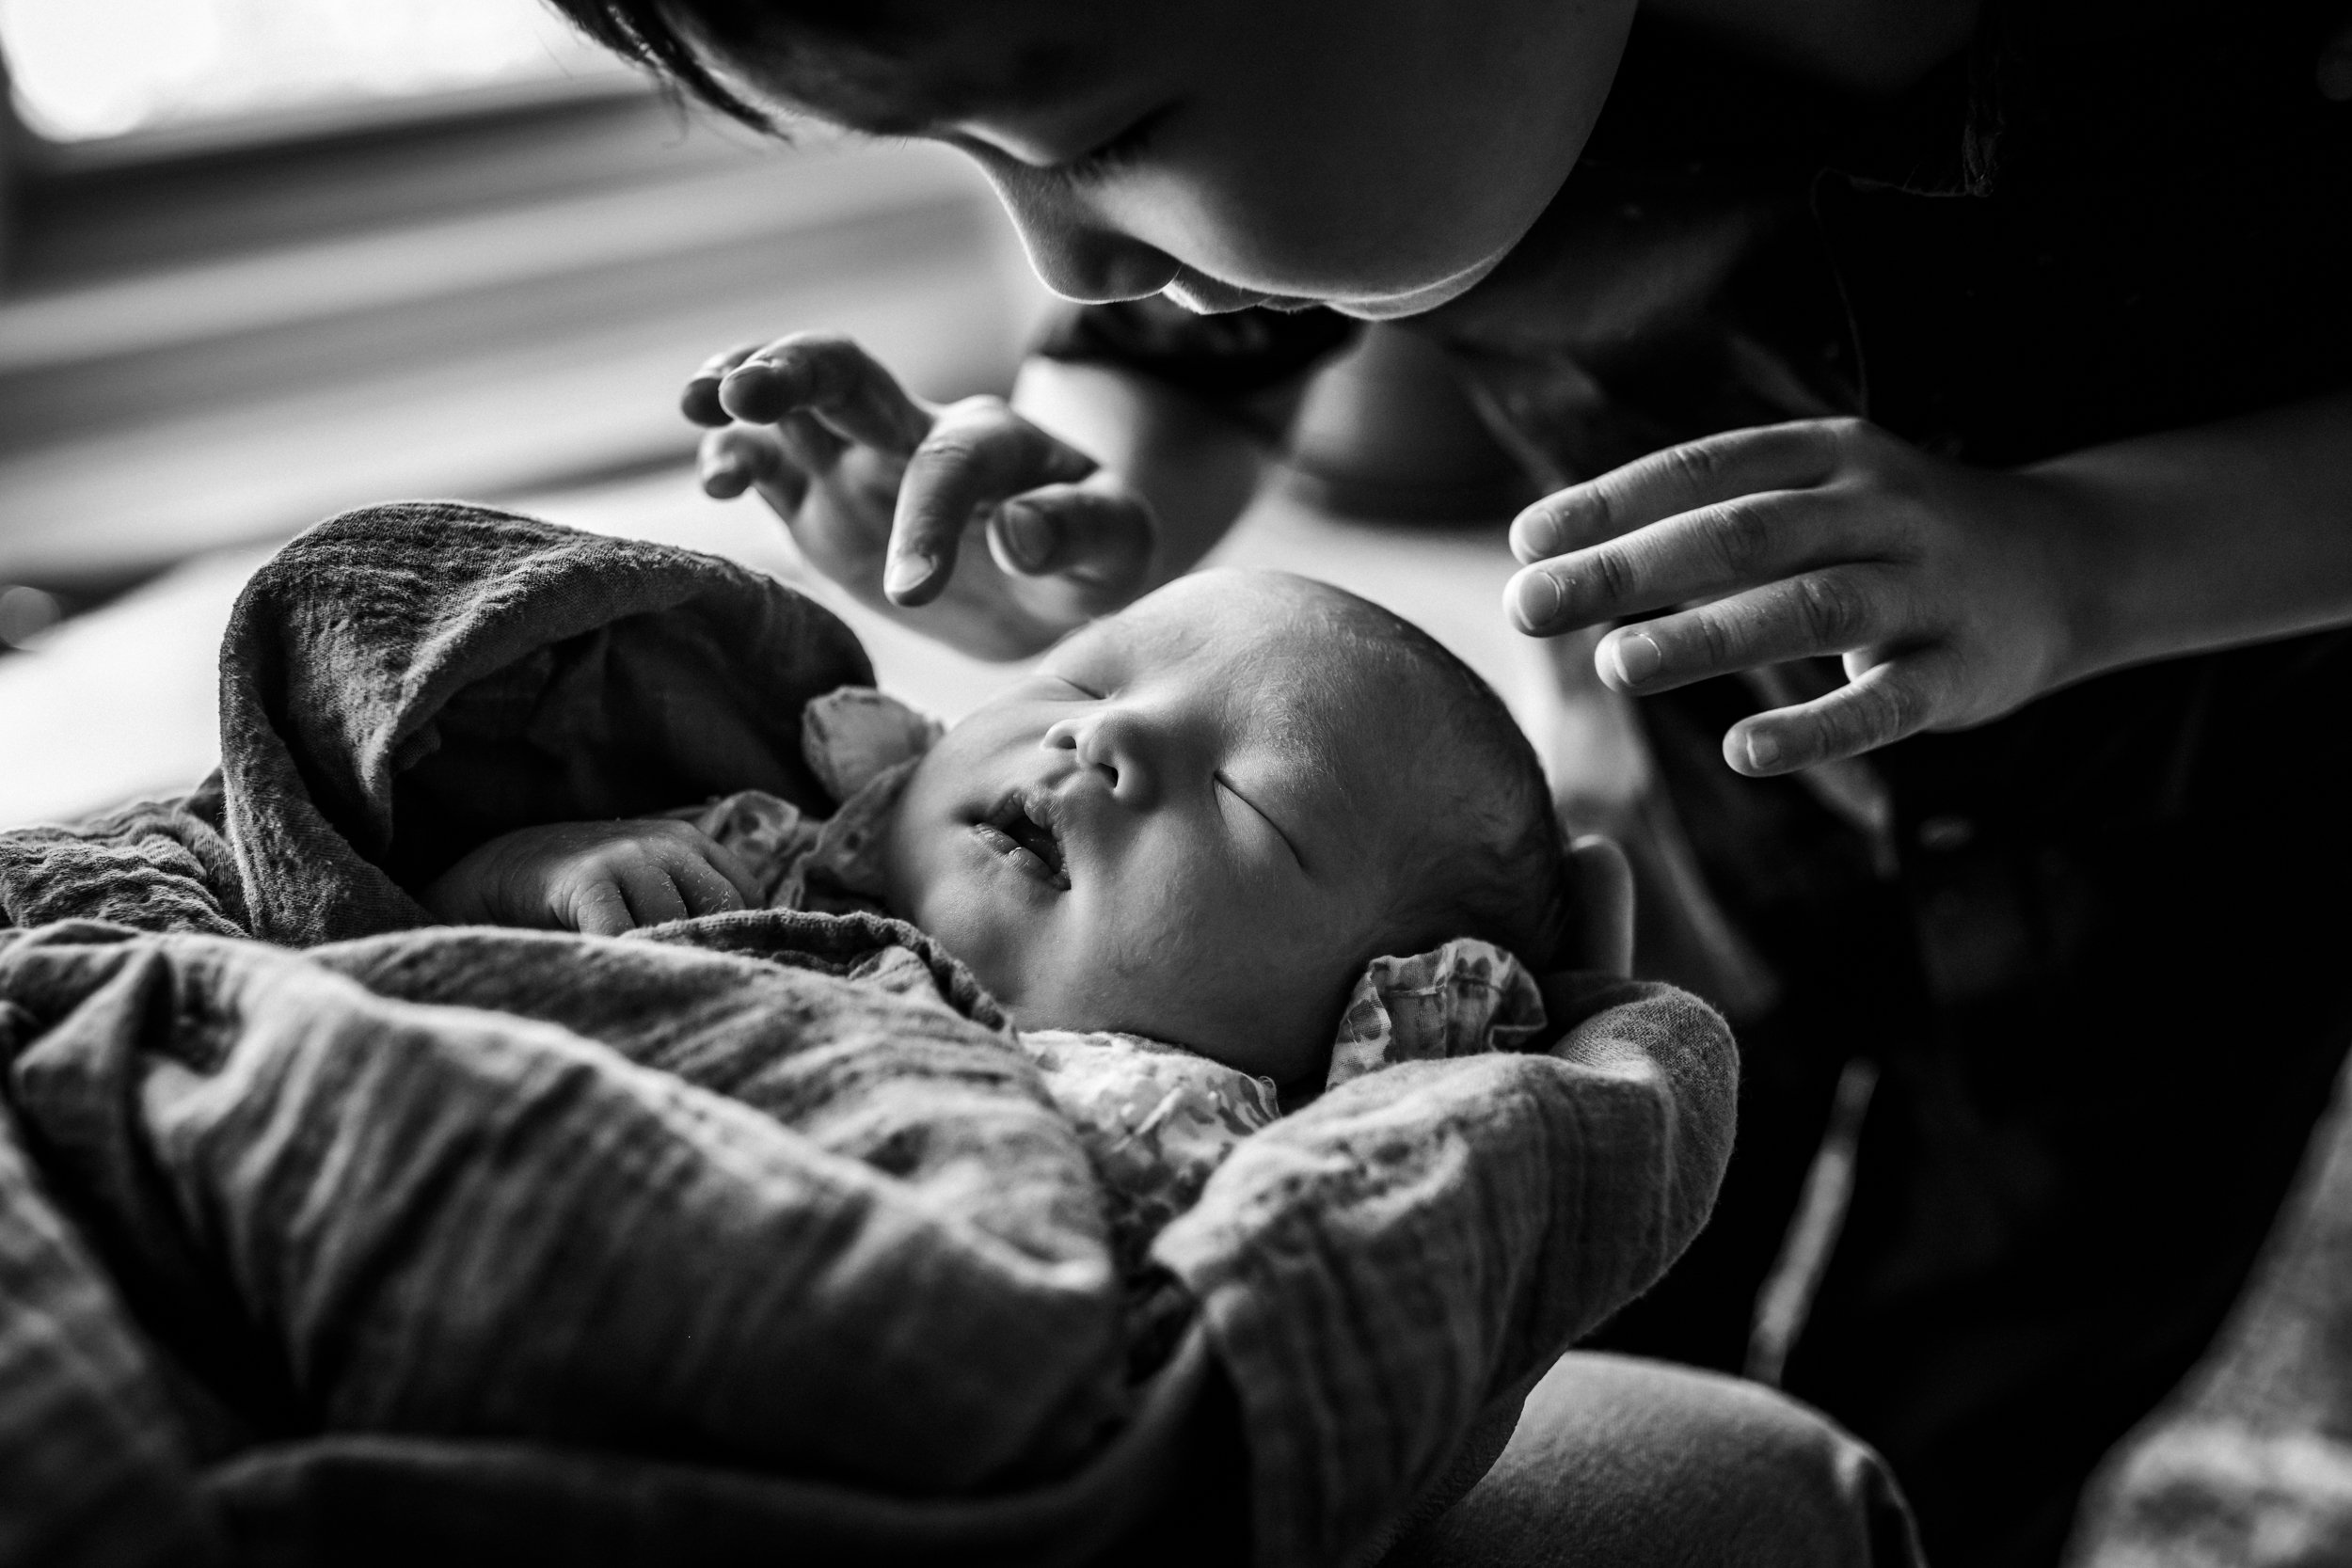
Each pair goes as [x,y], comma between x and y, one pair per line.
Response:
[653,897]
[831,376]
[1101,539]
[1715,549]
[734,459]
[807,444]
[1680,479]
[700,401]
[597,909]
[1833,611]
[978,454]
[1882,705]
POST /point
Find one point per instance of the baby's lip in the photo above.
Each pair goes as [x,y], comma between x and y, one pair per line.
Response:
[1025,829]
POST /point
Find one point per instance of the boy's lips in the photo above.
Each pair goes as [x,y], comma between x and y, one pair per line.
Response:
[1025,829]
[1204,295]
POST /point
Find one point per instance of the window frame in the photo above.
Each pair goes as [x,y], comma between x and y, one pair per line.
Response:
[285,158]
[211,338]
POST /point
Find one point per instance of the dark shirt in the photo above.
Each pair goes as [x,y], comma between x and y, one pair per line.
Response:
[2105,981]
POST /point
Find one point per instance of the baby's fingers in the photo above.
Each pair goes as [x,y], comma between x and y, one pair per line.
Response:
[710,878]
[980,453]
[595,905]
[653,895]
[1877,707]
[1097,537]
[1839,611]
[832,377]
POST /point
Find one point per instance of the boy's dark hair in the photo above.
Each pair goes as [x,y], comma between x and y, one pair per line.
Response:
[1494,861]
[663,36]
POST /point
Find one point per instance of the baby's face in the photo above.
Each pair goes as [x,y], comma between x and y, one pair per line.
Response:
[1174,827]
[1379,157]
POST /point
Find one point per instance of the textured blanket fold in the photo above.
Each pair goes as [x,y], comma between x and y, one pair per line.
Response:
[326,1231]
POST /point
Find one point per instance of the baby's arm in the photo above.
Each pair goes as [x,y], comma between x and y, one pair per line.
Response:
[600,877]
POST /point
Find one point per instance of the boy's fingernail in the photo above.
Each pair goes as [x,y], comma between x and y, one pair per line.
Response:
[744,377]
[1537,598]
[1763,750]
[1539,536]
[1638,657]
[907,573]
[1028,537]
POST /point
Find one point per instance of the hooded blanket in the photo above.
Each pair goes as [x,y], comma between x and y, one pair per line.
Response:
[331,1235]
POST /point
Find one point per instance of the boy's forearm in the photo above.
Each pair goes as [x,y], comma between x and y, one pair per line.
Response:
[2211,537]
[1198,465]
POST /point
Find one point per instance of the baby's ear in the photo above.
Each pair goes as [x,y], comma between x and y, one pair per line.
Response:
[1599,937]
[1459,1000]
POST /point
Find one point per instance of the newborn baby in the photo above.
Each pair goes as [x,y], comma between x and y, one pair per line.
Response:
[1200,821]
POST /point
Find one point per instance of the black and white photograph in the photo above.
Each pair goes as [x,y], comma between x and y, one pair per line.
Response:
[1131,783]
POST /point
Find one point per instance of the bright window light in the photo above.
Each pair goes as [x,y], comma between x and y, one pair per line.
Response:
[85,70]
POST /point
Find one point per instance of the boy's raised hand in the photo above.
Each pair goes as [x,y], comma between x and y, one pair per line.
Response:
[888,495]
[599,878]
[1948,590]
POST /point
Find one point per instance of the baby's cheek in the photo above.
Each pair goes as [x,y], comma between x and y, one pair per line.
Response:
[1268,1008]
[962,919]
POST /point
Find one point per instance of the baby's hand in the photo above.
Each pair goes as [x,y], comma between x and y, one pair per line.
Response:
[884,493]
[600,877]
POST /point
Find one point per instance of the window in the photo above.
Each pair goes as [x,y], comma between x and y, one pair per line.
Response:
[91,70]
[263,259]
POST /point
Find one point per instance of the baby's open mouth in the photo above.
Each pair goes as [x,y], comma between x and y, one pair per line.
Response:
[1021,829]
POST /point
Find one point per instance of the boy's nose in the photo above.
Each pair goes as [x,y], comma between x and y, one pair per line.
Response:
[1114,744]
[1074,254]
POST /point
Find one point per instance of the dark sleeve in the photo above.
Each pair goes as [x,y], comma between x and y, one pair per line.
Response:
[1223,358]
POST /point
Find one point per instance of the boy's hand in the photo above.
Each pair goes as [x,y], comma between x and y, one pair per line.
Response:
[892,497]
[600,877]
[1950,591]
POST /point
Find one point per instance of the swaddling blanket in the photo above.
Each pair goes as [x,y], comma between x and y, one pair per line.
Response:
[779,1192]
[1156,1119]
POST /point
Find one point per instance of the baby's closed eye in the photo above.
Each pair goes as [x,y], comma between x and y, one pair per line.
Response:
[1229,791]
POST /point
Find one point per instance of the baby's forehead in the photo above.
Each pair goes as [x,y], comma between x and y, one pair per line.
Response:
[1284,638]
[1298,665]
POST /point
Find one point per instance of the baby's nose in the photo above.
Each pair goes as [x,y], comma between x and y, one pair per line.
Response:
[1108,744]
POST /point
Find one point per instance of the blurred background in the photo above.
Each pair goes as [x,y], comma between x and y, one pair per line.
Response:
[265,260]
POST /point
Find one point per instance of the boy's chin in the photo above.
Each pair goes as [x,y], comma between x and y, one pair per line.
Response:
[1204,295]
[1416,302]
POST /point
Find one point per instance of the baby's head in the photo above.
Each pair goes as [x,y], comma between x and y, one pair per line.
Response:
[1200,818]
[1379,157]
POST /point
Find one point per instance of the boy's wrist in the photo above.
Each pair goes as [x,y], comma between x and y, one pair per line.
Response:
[2089,544]
[2204,538]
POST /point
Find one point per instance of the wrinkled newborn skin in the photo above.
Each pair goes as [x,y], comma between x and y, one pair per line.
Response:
[1182,824]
